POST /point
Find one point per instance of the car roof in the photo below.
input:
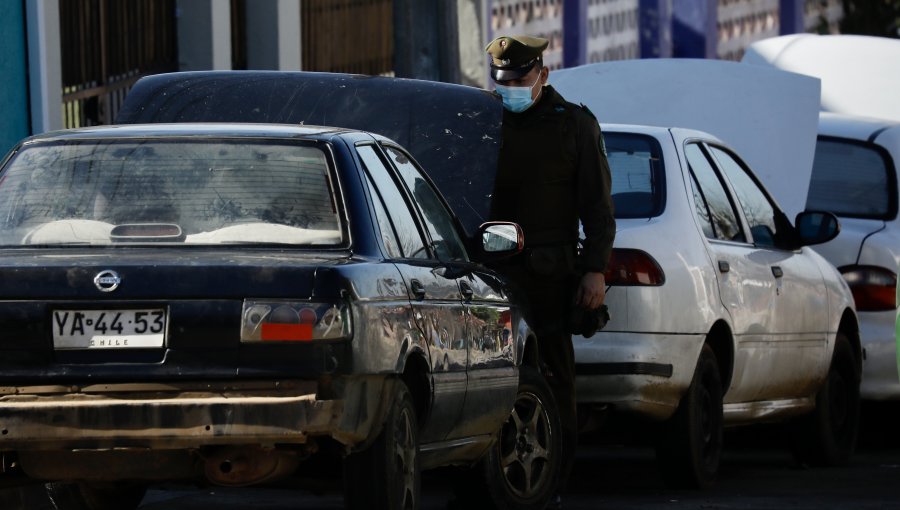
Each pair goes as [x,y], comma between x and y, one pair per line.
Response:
[851,126]
[657,131]
[196,129]
[634,128]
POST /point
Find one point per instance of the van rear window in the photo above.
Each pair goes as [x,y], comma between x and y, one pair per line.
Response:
[852,179]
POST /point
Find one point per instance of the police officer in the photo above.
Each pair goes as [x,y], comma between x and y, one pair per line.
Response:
[552,172]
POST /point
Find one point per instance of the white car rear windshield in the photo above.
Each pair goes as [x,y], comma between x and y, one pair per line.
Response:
[852,179]
[635,162]
[168,191]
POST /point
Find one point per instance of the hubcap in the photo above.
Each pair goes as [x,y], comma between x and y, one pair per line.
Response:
[405,460]
[525,446]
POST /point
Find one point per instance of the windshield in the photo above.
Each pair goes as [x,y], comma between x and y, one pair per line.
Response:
[103,192]
[635,162]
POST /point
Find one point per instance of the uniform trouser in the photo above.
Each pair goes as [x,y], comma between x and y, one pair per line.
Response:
[549,299]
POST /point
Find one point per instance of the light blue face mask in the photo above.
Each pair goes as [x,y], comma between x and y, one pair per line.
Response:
[516,99]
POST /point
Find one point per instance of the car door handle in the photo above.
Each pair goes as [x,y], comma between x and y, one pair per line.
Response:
[466,291]
[417,288]
[724,267]
[777,272]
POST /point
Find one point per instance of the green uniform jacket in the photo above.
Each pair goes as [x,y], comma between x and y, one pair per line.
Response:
[552,171]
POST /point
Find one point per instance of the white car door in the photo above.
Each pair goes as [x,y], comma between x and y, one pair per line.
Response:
[747,288]
[800,321]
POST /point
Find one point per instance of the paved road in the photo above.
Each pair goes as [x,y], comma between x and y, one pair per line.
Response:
[614,478]
[626,478]
[608,477]
[755,475]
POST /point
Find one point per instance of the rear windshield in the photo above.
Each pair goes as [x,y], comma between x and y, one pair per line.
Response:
[637,175]
[167,191]
[852,179]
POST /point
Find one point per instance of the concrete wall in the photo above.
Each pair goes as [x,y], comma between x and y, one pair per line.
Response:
[204,35]
[44,65]
[472,19]
[273,35]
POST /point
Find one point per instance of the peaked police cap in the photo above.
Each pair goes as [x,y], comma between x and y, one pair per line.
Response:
[513,56]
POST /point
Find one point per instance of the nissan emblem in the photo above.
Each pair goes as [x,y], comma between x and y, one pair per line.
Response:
[107,280]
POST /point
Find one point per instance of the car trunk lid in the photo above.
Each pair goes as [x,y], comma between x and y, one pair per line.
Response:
[182,309]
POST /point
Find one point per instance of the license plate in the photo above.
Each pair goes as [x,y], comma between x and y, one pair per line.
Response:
[109,329]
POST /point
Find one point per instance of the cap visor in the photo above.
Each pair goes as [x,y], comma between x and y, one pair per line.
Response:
[510,74]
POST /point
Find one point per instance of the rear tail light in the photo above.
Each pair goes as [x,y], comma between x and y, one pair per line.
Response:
[633,267]
[285,321]
[874,288]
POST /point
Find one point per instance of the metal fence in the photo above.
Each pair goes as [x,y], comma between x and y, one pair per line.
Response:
[348,36]
[107,45]
[239,34]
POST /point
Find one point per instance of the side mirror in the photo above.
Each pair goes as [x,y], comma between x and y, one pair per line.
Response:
[816,227]
[500,239]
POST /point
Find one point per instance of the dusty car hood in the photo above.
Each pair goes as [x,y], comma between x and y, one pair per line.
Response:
[769,116]
[860,74]
[453,131]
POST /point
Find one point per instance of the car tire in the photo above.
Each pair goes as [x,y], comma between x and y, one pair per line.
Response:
[690,445]
[105,496]
[386,475]
[827,436]
[521,469]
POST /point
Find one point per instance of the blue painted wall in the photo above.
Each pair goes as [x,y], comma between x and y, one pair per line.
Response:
[575,31]
[655,26]
[792,13]
[694,33]
[14,123]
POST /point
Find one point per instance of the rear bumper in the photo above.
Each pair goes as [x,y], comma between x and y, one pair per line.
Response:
[642,373]
[184,416]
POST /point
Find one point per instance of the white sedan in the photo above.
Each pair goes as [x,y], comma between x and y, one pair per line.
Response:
[720,313]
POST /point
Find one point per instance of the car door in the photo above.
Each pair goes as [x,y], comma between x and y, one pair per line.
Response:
[433,291]
[800,323]
[491,373]
[746,286]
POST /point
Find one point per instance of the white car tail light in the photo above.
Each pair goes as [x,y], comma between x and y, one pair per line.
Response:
[873,288]
[286,321]
[633,267]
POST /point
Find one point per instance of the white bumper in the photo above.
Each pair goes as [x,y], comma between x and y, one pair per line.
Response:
[643,373]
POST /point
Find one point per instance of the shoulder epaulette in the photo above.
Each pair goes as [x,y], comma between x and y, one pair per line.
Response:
[601,142]
[588,111]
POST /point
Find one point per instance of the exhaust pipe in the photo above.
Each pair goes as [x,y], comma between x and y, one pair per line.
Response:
[237,466]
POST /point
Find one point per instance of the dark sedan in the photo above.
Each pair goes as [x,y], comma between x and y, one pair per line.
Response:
[226,303]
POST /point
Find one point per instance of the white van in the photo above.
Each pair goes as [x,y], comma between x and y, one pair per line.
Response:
[855,177]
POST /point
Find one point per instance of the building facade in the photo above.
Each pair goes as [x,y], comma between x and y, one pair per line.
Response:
[70,63]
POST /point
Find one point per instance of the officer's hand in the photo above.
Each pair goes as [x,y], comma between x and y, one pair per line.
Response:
[592,291]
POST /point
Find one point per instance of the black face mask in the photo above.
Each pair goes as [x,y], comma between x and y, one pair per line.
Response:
[585,322]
